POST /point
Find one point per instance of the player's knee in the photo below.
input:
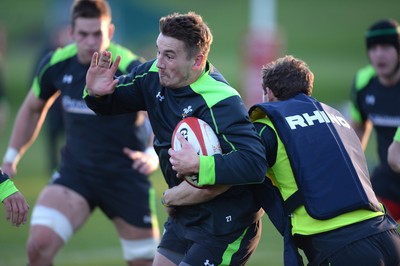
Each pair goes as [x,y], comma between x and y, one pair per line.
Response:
[53,219]
[141,249]
[39,247]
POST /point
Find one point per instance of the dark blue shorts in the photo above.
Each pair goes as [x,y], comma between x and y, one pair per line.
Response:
[123,193]
[379,249]
[370,242]
[199,247]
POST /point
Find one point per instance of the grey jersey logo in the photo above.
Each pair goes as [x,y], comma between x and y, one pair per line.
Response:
[159,96]
[370,99]
[67,79]
[187,110]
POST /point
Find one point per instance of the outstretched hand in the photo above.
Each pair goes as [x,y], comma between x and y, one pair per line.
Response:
[100,76]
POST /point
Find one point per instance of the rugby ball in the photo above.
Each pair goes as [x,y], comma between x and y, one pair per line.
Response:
[202,138]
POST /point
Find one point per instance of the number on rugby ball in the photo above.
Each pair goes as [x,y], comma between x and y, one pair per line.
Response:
[202,138]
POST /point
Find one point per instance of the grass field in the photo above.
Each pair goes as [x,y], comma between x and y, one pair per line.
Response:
[328,35]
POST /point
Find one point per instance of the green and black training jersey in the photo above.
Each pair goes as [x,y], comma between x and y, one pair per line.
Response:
[378,103]
[92,141]
[213,100]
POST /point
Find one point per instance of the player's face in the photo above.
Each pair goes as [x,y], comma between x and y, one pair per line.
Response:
[174,66]
[384,58]
[91,35]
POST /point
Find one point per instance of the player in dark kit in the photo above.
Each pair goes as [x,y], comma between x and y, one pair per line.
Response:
[375,101]
[94,171]
[180,83]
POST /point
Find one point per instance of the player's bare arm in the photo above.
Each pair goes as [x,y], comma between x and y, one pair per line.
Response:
[186,194]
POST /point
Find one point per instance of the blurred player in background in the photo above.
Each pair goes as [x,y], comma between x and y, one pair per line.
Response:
[375,103]
[54,122]
[96,166]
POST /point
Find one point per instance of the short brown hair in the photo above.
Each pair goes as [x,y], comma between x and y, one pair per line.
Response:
[286,77]
[189,28]
[90,9]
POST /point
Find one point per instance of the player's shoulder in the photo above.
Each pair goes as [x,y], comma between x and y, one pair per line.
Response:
[364,76]
[213,87]
[63,53]
[128,58]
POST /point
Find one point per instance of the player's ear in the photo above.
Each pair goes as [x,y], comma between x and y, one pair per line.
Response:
[111,30]
[198,60]
[71,32]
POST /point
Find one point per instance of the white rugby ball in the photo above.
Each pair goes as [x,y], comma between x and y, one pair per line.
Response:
[202,138]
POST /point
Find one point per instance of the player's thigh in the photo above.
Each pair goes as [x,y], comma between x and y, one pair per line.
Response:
[65,201]
[132,232]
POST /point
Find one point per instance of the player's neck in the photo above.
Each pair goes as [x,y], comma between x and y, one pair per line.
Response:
[391,80]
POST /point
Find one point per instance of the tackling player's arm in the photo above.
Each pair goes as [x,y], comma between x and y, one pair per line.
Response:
[185,194]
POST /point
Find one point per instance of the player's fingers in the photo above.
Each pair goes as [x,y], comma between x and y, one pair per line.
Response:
[8,210]
[25,208]
[127,152]
[182,140]
[134,155]
[14,213]
[115,65]
[22,212]
[95,56]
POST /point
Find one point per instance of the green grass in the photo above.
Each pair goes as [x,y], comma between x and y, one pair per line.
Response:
[327,35]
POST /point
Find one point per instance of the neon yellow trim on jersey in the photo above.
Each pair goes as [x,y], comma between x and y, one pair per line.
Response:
[397,135]
[206,170]
[355,114]
[231,249]
[306,225]
[282,168]
[363,76]
[211,90]
[126,56]
[153,208]
[154,67]
[36,87]
[7,188]
[59,55]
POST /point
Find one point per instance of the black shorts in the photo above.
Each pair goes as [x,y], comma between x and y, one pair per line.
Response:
[379,249]
[123,193]
[199,247]
[363,243]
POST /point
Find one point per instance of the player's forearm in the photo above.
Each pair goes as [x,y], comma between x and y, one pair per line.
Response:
[363,131]
[26,128]
[185,194]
